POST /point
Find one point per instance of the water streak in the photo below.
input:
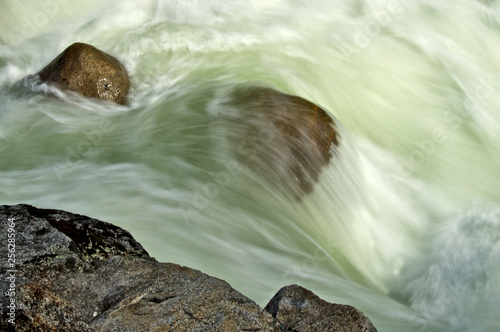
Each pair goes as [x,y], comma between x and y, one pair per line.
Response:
[402,224]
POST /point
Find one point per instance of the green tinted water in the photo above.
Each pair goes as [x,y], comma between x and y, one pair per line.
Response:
[405,223]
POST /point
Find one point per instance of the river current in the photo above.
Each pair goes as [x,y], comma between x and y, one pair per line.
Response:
[404,223]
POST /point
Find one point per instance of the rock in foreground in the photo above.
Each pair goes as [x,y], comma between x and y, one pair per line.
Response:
[298,309]
[286,138]
[75,273]
[84,69]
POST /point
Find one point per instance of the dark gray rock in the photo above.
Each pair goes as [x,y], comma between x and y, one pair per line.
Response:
[75,273]
[68,239]
[298,309]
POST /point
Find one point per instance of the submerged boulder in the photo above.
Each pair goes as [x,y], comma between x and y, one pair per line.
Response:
[286,138]
[75,273]
[84,69]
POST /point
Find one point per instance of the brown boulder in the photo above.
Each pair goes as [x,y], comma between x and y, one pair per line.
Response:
[298,309]
[286,138]
[85,69]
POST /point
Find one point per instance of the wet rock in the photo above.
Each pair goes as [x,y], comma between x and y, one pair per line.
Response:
[54,234]
[75,273]
[298,309]
[286,138]
[85,69]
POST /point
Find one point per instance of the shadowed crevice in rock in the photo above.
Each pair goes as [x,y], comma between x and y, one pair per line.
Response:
[75,273]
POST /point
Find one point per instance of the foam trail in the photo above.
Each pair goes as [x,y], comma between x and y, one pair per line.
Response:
[402,223]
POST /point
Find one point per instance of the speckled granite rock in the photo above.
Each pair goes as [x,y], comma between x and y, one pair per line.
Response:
[75,273]
[298,309]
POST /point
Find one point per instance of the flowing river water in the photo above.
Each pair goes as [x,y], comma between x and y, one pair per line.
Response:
[404,223]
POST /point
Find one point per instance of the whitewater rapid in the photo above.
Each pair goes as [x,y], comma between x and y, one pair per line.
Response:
[404,223]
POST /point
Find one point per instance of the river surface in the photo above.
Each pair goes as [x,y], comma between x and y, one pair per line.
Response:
[404,223]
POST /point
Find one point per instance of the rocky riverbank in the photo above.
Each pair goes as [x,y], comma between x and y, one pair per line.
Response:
[67,272]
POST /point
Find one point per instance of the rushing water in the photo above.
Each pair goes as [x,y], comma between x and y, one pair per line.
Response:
[405,221]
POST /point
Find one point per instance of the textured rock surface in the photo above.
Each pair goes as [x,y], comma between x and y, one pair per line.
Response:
[85,69]
[298,309]
[287,139]
[76,273]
